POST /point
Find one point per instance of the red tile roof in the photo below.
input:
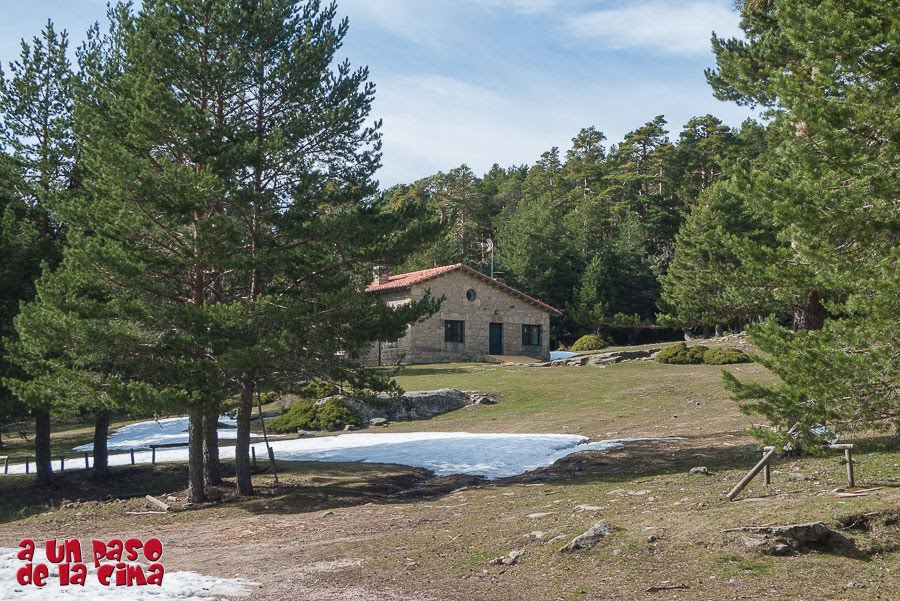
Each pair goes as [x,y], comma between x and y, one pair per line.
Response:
[405,280]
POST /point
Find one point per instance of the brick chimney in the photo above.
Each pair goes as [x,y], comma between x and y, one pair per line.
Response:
[381,274]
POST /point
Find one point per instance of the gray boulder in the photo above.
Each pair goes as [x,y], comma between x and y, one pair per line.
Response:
[412,405]
[620,356]
[789,539]
[589,539]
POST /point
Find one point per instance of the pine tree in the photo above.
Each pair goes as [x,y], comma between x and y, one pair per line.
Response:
[20,247]
[709,280]
[591,217]
[228,223]
[36,128]
[827,76]
[641,187]
[533,252]
[705,146]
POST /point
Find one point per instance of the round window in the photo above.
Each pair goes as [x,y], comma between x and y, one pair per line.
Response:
[470,294]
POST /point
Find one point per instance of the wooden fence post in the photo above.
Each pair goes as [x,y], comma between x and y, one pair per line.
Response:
[848,457]
[6,464]
[153,454]
[253,455]
[132,456]
[750,475]
[27,465]
[62,463]
[87,465]
[767,469]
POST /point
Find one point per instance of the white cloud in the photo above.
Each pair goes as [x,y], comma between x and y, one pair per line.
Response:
[528,7]
[433,23]
[435,123]
[680,28]
[418,22]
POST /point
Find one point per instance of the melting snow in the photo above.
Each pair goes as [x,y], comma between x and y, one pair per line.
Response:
[176,586]
[488,455]
[171,430]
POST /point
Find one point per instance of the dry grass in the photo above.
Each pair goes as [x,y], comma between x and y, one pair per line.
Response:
[357,531]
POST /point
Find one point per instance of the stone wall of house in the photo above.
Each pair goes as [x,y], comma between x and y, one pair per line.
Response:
[424,341]
[491,304]
[390,352]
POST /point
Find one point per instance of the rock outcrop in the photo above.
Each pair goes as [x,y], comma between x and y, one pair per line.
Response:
[412,405]
[589,539]
[600,359]
[789,539]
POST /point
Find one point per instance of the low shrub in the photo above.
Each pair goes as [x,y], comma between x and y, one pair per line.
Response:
[681,354]
[333,415]
[299,416]
[725,356]
[318,390]
[589,342]
[305,414]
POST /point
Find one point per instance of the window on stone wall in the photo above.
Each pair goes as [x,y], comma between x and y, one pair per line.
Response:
[454,331]
[531,335]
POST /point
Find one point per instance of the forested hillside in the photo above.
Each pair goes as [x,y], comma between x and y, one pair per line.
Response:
[591,229]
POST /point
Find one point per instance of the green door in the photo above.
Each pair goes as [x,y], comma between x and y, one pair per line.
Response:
[496,339]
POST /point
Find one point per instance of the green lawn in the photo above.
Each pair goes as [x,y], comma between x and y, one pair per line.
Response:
[643,397]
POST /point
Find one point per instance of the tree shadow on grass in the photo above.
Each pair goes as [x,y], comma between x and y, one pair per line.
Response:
[20,498]
[303,487]
[655,457]
[313,486]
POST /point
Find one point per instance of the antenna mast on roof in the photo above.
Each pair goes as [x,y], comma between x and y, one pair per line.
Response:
[488,246]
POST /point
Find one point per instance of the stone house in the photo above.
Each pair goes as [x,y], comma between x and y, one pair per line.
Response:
[479,316]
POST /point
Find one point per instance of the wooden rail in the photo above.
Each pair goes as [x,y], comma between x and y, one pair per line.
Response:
[764,465]
[764,462]
[848,456]
[87,457]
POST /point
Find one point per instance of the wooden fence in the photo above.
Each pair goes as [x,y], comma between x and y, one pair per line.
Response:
[765,465]
[28,459]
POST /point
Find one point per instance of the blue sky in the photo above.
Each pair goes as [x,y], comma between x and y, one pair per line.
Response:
[485,81]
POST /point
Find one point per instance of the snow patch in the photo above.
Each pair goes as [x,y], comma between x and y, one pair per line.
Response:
[173,430]
[488,455]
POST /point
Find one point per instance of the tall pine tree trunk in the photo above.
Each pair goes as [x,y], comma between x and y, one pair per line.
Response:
[811,314]
[101,434]
[212,472]
[196,492]
[242,448]
[42,457]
